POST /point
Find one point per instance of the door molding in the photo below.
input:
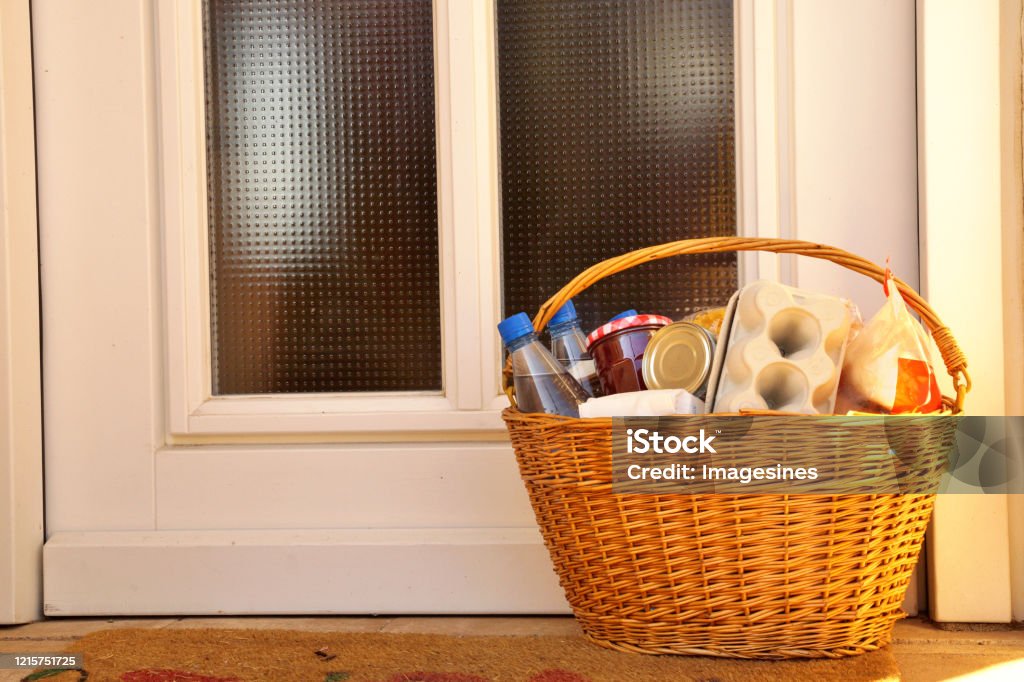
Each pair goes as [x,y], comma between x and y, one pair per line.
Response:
[21,446]
[764,117]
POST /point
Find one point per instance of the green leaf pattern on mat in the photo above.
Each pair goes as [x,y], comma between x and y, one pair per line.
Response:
[51,672]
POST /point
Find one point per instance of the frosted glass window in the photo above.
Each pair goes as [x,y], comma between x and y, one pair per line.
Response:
[617,132]
[322,196]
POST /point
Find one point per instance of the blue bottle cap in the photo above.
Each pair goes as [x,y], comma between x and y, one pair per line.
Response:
[514,327]
[566,313]
[626,313]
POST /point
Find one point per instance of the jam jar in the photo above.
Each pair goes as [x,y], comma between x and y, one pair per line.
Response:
[618,351]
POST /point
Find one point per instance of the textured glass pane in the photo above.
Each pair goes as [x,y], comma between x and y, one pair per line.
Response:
[322,196]
[617,132]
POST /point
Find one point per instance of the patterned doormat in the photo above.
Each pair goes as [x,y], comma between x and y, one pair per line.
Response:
[168,655]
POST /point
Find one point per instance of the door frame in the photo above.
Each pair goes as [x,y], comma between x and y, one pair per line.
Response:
[969,103]
[21,452]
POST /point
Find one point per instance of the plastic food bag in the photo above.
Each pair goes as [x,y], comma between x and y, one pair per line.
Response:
[886,369]
[710,318]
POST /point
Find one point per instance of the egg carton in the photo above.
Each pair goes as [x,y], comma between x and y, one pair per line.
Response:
[781,349]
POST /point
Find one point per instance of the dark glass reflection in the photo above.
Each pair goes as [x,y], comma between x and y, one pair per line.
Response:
[617,132]
[322,196]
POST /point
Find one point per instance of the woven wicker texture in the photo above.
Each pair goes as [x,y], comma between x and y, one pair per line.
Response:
[748,576]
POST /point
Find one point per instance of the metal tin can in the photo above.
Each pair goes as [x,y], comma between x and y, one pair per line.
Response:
[680,356]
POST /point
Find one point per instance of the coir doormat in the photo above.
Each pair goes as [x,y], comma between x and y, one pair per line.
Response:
[170,655]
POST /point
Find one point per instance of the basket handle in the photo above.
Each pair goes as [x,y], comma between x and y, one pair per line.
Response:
[952,356]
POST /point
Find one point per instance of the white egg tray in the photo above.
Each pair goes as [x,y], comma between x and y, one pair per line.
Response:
[780,349]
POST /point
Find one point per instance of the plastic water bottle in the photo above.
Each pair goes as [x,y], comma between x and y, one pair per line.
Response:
[542,383]
[569,346]
[625,313]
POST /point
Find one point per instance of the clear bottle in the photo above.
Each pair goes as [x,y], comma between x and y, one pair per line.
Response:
[624,314]
[542,383]
[569,346]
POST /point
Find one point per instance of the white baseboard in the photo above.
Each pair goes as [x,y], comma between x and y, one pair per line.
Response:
[390,571]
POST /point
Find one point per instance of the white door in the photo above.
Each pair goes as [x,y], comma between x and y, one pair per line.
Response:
[167,495]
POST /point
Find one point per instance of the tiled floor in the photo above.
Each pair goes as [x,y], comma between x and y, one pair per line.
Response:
[924,652]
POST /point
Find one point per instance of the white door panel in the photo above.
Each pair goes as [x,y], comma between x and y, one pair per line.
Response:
[855,139]
[452,485]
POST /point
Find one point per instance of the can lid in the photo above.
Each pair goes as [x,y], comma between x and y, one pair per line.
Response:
[625,323]
[679,356]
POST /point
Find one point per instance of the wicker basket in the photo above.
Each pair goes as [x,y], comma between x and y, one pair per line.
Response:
[745,576]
